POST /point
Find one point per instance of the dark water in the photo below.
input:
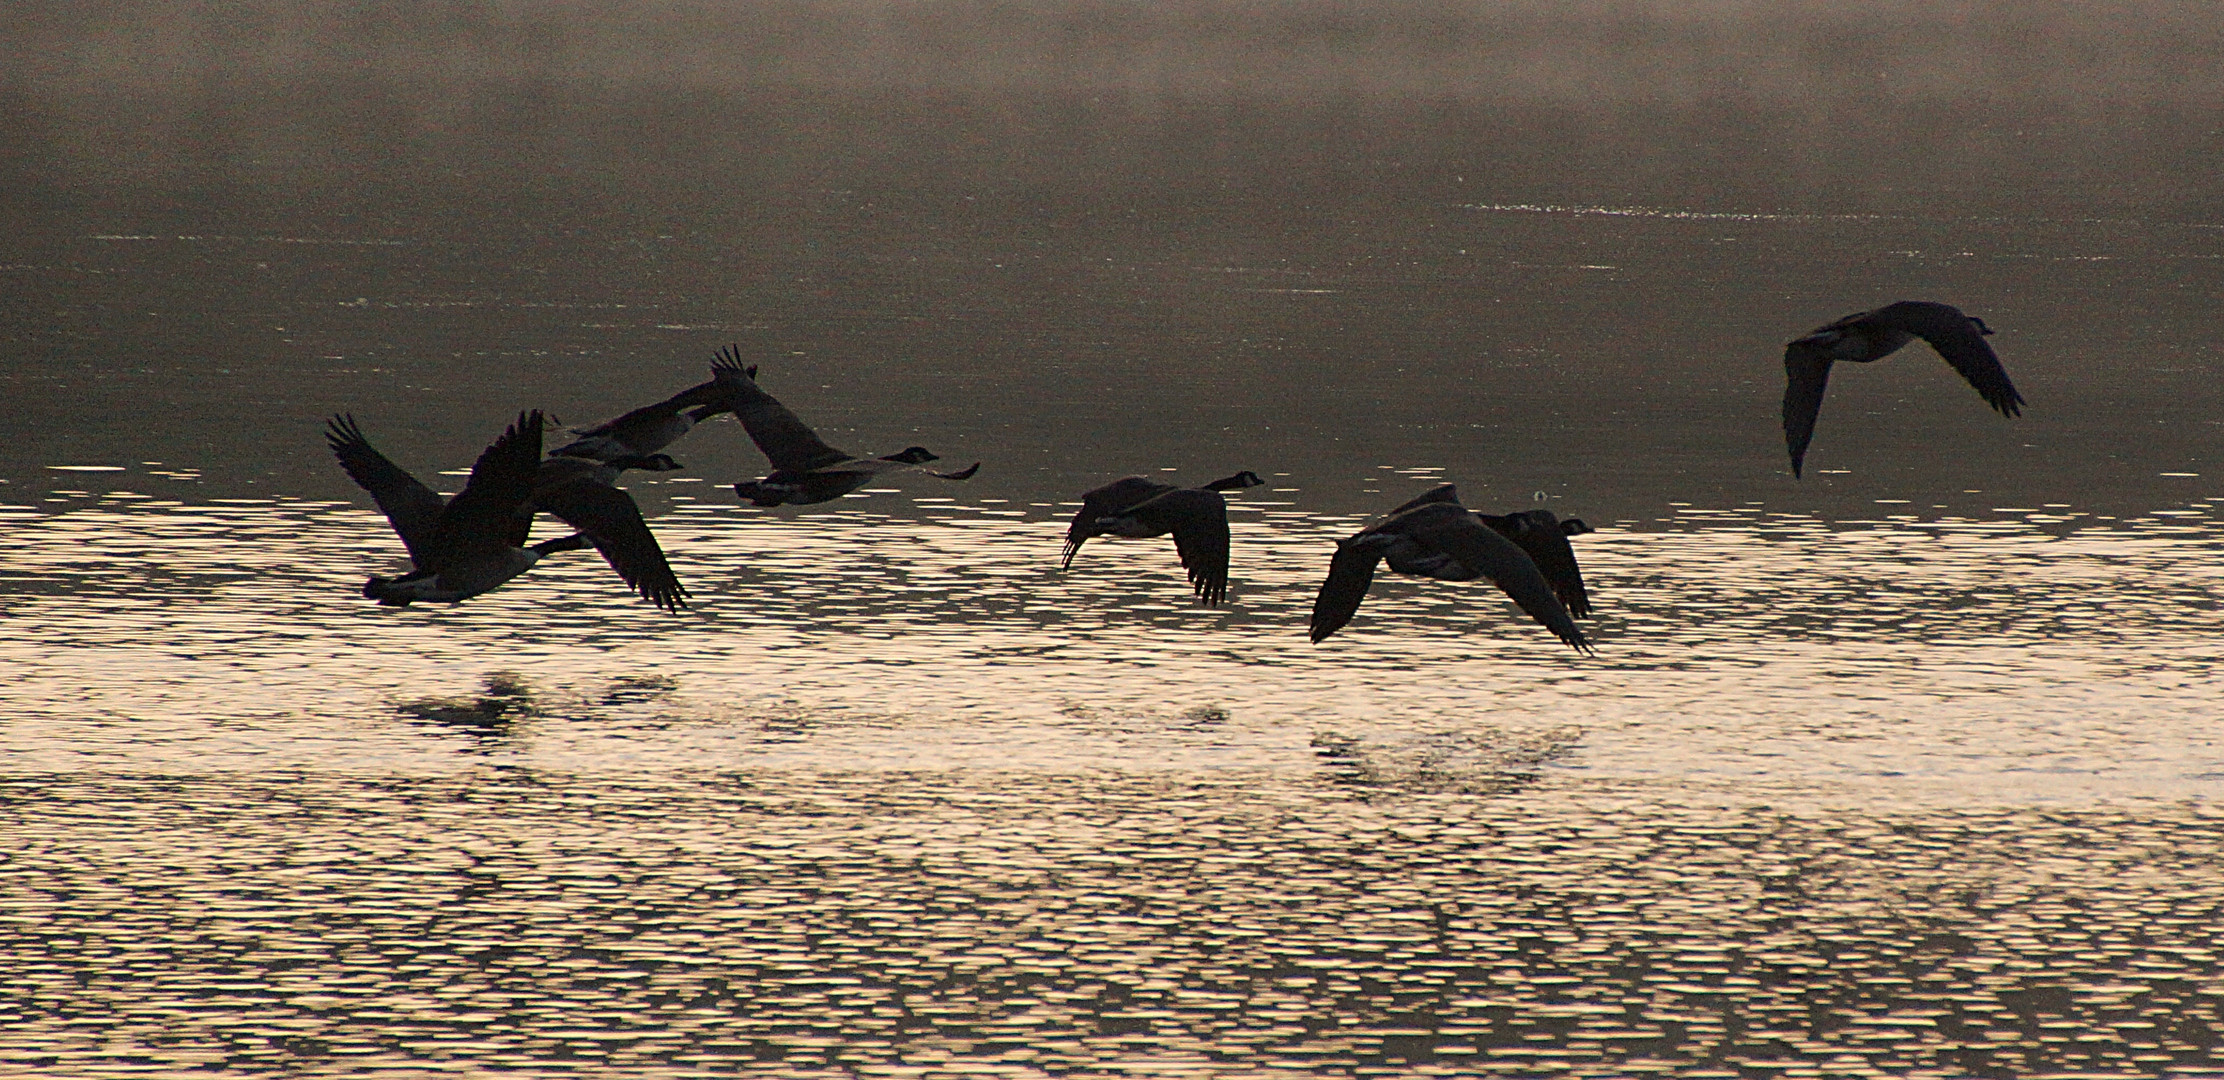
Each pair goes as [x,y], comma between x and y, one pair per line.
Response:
[1908,768]
[1624,359]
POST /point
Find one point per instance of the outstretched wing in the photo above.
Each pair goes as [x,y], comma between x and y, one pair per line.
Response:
[1464,537]
[1110,500]
[411,507]
[1538,534]
[786,440]
[725,395]
[1441,493]
[1806,374]
[1199,522]
[609,519]
[1350,572]
[485,512]
[1957,338]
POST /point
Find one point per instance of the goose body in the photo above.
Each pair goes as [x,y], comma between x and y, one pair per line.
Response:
[1434,536]
[1137,507]
[804,468]
[581,492]
[468,580]
[839,478]
[650,428]
[1538,533]
[1544,538]
[1870,336]
[464,546]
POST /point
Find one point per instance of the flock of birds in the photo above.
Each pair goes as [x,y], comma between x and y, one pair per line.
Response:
[464,546]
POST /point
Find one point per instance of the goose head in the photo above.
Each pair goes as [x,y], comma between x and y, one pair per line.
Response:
[1241,480]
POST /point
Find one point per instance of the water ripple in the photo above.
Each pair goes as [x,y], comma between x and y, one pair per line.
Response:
[930,924]
[1921,657]
[898,797]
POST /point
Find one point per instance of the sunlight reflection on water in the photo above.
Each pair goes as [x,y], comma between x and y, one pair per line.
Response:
[898,797]
[1917,656]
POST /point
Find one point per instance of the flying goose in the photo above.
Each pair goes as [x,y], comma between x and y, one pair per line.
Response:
[804,468]
[1434,536]
[1134,506]
[1874,335]
[650,428]
[581,492]
[1544,538]
[462,546]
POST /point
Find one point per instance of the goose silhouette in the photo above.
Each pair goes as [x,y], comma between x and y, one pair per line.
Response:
[1873,335]
[1134,506]
[1434,536]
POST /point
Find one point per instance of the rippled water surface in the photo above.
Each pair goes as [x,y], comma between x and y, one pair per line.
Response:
[897,797]
[1909,768]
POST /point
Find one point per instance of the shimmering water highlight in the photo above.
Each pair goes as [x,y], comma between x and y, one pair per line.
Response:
[1906,796]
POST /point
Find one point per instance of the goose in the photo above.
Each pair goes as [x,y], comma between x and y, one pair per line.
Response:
[581,492]
[804,468]
[462,546]
[1874,335]
[1134,506]
[1544,538]
[650,428]
[1434,536]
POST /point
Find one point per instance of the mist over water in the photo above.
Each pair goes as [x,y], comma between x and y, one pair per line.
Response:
[1906,768]
[1413,234]
[1875,107]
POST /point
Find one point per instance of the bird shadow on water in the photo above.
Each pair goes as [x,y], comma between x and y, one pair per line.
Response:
[505,703]
[1484,761]
[493,715]
[637,690]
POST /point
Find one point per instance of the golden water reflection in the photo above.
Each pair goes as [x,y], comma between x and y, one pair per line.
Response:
[1028,924]
[1903,797]
[1892,660]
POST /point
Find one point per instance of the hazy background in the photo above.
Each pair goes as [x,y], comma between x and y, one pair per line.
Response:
[1936,792]
[1548,245]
